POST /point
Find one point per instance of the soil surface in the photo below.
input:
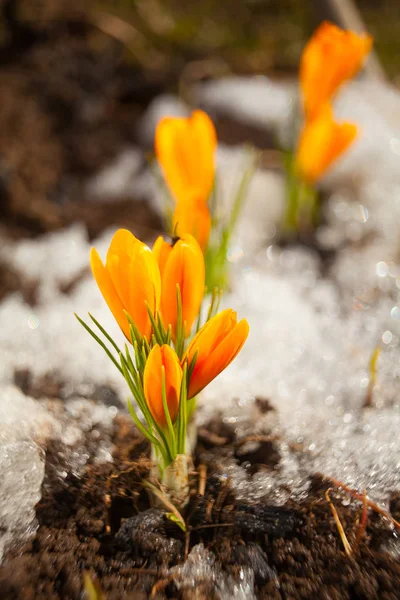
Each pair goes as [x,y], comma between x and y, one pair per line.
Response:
[103,522]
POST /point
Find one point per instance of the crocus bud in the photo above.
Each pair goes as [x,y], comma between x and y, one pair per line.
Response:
[162,362]
[321,142]
[331,57]
[192,216]
[216,344]
[181,263]
[129,281]
[185,149]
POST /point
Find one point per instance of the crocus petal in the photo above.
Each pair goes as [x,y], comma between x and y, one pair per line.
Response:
[210,335]
[184,267]
[194,217]
[135,278]
[215,345]
[185,148]
[222,355]
[161,251]
[204,135]
[123,247]
[321,142]
[162,359]
[331,57]
[106,286]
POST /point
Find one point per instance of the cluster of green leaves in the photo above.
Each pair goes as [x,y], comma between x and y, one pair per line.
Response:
[131,361]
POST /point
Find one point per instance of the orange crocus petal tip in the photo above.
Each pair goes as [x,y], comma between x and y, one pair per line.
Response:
[106,286]
[129,281]
[162,360]
[321,142]
[185,148]
[192,216]
[183,265]
[216,344]
[331,56]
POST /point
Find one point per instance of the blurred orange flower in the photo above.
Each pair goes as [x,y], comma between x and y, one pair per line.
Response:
[129,279]
[185,149]
[192,216]
[181,263]
[331,56]
[217,343]
[321,142]
[162,362]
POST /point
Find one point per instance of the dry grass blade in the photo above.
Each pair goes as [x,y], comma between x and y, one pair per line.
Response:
[166,502]
[343,537]
[202,479]
[359,496]
[363,523]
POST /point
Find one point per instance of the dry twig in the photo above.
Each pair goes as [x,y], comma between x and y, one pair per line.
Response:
[343,537]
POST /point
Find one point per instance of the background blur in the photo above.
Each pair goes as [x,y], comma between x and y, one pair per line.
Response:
[76,80]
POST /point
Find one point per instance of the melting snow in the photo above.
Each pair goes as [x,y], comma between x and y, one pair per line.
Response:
[313,329]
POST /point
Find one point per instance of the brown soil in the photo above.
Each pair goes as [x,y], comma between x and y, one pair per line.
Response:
[71,99]
[103,522]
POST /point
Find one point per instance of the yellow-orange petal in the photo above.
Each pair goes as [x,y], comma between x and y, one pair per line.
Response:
[184,267]
[192,216]
[221,356]
[185,148]
[136,277]
[161,250]
[321,142]
[123,247]
[106,286]
[210,335]
[162,360]
[331,56]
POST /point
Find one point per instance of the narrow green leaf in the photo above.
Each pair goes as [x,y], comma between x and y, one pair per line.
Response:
[191,366]
[137,335]
[156,331]
[104,332]
[171,430]
[182,414]
[100,342]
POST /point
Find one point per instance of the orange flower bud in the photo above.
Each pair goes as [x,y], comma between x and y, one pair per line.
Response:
[331,57]
[321,142]
[129,279]
[162,360]
[182,263]
[217,343]
[192,216]
[185,149]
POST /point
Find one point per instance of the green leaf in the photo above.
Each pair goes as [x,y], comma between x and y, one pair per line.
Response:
[92,588]
[180,522]
[100,342]
[104,332]
[156,331]
[170,426]
[182,414]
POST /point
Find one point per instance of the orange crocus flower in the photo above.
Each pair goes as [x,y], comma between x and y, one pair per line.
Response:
[217,343]
[181,263]
[321,142]
[185,149]
[331,56]
[129,280]
[194,217]
[162,362]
